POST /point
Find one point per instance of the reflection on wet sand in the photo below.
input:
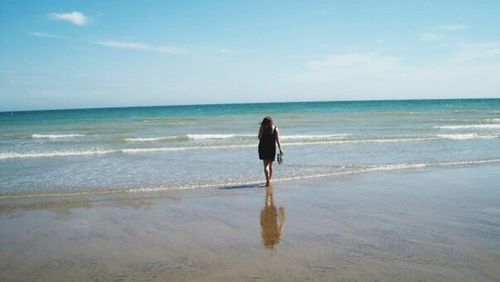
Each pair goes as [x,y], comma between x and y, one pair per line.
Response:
[271,221]
[67,204]
[63,207]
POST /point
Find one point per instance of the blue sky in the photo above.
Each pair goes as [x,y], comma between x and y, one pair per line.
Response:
[76,54]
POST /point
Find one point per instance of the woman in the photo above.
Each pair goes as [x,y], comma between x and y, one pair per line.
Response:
[268,137]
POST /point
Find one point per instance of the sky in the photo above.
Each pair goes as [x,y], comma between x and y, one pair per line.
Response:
[81,54]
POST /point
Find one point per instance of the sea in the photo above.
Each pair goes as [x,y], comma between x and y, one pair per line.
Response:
[140,149]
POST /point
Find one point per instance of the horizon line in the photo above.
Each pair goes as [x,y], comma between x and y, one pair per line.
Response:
[243,103]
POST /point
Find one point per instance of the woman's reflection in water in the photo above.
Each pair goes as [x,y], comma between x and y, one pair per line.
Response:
[271,221]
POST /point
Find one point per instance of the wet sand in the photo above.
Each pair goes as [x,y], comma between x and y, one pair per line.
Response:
[422,224]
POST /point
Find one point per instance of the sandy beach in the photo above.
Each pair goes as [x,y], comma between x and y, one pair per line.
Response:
[137,141]
[423,224]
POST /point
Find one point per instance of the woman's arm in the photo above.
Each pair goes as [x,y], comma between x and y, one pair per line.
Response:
[260,132]
[278,140]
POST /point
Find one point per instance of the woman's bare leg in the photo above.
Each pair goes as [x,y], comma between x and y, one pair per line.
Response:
[270,170]
[266,172]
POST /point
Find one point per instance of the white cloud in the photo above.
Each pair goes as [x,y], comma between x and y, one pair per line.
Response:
[224,51]
[453,27]
[44,34]
[335,65]
[320,12]
[141,46]
[123,44]
[439,32]
[169,50]
[76,18]
[430,36]
[480,51]
[470,71]
[360,73]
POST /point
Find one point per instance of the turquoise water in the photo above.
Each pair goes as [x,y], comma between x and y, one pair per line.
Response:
[178,147]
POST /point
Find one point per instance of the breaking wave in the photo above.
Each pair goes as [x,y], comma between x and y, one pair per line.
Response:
[466,136]
[234,136]
[469,126]
[293,142]
[55,136]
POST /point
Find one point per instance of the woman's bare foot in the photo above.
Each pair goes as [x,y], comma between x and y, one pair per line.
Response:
[268,183]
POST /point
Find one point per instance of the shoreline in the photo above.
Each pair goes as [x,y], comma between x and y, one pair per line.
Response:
[435,223]
[249,183]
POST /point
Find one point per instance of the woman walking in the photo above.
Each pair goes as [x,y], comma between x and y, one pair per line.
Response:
[268,137]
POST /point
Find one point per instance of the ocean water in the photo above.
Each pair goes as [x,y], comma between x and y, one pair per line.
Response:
[184,147]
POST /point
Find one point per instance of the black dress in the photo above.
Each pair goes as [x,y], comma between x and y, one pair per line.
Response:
[267,145]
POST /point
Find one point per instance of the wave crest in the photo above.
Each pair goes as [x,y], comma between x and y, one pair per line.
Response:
[14,155]
[469,126]
[315,137]
[187,137]
[234,135]
[217,136]
[55,136]
[155,139]
[466,136]
[337,139]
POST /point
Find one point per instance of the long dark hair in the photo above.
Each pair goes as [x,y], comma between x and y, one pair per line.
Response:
[267,124]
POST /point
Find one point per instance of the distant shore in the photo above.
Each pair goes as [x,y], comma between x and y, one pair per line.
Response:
[420,224]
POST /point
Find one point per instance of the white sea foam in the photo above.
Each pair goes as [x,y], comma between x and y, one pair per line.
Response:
[469,126]
[297,142]
[234,135]
[388,167]
[188,137]
[283,137]
[55,136]
[14,155]
[378,140]
[153,139]
[190,148]
[218,136]
[314,137]
[466,136]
